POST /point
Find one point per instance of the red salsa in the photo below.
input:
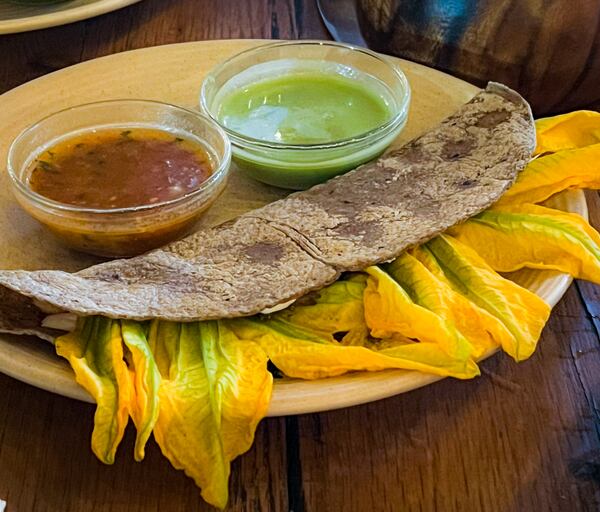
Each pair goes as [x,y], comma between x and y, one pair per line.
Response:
[120,168]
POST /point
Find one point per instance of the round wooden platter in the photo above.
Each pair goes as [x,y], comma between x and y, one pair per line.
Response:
[20,17]
[173,74]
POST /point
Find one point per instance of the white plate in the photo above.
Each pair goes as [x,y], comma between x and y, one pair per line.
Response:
[173,73]
[15,17]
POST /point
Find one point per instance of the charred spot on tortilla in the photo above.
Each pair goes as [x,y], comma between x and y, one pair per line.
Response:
[367,230]
[345,208]
[402,199]
[455,149]
[264,252]
[491,119]
[468,183]
[412,155]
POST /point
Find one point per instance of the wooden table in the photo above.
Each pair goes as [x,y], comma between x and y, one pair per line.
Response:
[520,438]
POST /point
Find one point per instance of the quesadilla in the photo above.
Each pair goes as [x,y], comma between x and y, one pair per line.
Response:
[275,254]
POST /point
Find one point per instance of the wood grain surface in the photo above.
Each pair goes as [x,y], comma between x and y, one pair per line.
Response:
[520,438]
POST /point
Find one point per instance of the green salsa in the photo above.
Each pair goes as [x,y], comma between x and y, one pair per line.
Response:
[304,108]
[296,122]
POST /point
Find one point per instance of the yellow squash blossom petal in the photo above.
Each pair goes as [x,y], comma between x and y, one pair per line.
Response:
[390,311]
[95,352]
[243,385]
[512,237]
[145,379]
[432,358]
[568,131]
[301,352]
[336,311]
[522,312]
[550,174]
[483,330]
[305,354]
[188,425]
[213,392]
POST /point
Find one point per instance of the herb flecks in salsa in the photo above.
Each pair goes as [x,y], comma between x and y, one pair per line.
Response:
[116,168]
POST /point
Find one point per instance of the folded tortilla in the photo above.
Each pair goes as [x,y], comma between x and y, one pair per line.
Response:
[288,248]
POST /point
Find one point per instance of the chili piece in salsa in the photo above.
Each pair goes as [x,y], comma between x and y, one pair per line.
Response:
[120,168]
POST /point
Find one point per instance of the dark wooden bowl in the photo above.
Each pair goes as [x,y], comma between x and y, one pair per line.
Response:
[549,50]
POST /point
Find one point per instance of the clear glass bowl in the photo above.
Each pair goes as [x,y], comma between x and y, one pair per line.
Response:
[119,232]
[299,166]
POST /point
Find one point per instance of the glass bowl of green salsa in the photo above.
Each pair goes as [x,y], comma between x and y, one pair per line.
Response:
[301,112]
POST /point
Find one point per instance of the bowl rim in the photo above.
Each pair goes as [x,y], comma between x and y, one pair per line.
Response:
[238,137]
[216,177]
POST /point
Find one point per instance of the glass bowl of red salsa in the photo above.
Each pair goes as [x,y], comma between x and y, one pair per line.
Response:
[118,178]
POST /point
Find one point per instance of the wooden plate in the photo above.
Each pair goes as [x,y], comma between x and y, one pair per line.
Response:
[19,17]
[173,73]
